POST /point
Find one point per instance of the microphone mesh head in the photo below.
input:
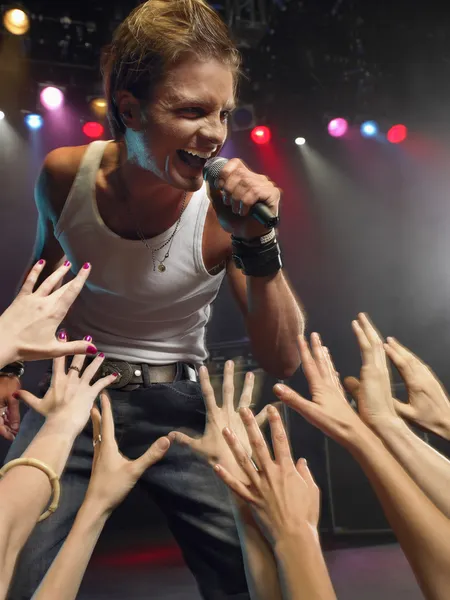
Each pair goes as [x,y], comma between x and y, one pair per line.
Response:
[212,169]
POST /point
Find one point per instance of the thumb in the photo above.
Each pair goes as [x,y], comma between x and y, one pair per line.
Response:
[154,454]
[181,438]
[404,410]
[69,348]
[96,431]
[33,401]
[352,386]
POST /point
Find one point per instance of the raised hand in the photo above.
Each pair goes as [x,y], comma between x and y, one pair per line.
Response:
[211,445]
[71,396]
[113,475]
[428,403]
[28,326]
[328,408]
[283,495]
[373,391]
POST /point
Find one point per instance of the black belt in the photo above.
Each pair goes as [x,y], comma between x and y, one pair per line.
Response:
[134,375]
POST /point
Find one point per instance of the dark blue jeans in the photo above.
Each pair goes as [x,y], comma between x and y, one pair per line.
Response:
[186,489]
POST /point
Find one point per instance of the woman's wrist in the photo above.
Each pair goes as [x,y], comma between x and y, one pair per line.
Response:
[92,512]
[295,536]
[60,426]
[8,351]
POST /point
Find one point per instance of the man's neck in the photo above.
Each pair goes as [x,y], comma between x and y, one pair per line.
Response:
[142,189]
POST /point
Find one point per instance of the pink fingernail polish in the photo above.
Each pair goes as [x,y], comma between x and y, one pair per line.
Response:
[88,338]
[41,262]
[91,350]
[87,266]
[101,355]
[62,335]
[115,374]
[67,263]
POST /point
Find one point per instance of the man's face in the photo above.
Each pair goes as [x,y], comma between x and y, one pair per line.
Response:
[188,114]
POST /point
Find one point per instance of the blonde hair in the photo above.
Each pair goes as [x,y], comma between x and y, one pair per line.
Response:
[155,36]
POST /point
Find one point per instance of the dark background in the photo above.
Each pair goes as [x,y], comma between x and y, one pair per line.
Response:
[364,224]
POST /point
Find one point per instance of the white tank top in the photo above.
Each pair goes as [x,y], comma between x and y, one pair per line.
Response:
[132,312]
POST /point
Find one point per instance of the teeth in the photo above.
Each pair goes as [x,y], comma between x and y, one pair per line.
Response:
[199,154]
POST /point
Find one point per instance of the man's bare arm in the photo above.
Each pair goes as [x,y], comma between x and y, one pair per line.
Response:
[52,188]
[273,319]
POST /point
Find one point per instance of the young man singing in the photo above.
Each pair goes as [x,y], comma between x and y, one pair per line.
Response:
[160,244]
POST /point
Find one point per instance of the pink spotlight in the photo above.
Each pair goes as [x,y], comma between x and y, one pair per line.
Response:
[337,127]
[52,98]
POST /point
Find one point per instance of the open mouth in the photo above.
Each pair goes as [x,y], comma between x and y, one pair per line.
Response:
[196,162]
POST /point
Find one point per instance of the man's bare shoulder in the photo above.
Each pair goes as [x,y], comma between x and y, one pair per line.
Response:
[63,163]
[56,179]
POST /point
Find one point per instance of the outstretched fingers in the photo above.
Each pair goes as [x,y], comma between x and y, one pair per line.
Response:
[228,387]
[236,486]
[31,280]
[260,450]
[71,290]
[208,390]
[54,279]
[280,442]
[241,457]
[247,391]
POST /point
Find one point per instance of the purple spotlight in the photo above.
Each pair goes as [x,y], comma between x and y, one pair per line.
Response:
[52,98]
[337,127]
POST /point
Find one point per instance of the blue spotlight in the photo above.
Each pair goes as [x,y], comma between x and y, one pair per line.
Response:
[369,129]
[34,121]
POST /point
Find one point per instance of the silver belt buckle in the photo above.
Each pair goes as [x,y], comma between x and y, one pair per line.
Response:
[122,368]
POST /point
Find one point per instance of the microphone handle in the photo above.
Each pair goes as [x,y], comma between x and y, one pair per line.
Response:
[262,213]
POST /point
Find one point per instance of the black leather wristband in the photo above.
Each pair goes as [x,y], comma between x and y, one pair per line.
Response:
[262,260]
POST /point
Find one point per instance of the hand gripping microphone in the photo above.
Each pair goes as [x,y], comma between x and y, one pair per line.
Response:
[259,211]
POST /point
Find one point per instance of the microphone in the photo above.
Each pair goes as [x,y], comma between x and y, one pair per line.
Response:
[259,211]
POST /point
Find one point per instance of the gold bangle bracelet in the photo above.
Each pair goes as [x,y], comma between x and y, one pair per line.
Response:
[54,480]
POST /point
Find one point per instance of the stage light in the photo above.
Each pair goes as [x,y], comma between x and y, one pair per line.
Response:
[300,141]
[34,121]
[52,98]
[261,135]
[2,115]
[16,21]
[99,107]
[369,129]
[243,118]
[337,127]
[397,134]
[93,130]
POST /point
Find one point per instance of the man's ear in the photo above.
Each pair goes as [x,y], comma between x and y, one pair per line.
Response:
[130,110]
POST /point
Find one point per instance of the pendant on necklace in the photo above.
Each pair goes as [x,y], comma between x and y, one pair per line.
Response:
[161,268]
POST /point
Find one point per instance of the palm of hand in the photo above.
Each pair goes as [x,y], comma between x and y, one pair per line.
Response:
[110,465]
[212,445]
[338,411]
[375,398]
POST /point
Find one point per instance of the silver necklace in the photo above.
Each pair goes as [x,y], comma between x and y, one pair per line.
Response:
[161,267]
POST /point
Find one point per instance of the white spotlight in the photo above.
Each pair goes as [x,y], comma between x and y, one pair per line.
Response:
[300,141]
[2,115]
